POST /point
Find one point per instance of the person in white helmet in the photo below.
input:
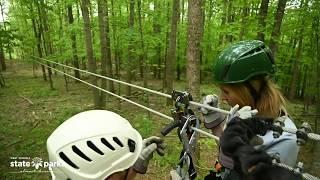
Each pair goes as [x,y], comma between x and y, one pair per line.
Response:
[99,144]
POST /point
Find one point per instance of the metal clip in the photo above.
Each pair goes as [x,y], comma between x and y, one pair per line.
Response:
[277,127]
[299,168]
[302,133]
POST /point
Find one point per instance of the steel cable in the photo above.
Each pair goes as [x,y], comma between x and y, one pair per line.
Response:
[310,135]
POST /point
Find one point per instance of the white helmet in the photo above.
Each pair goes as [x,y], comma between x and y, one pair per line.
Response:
[93,145]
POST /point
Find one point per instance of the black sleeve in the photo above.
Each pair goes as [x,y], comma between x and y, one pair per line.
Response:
[248,161]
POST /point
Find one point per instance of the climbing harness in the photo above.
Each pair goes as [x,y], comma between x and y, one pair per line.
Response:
[188,123]
[184,119]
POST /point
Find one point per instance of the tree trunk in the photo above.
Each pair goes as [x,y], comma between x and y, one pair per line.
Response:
[116,43]
[109,59]
[316,39]
[156,31]
[131,60]
[3,66]
[144,68]
[245,13]
[180,56]
[38,38]
[44,30]
[296,64]
[117,51]
[166,48]
[230,19]
[295,71]
[276,27]
[171,56]
[141,56]
[103,49]
[2,81]
[75,59]
[263,12]
[88,39]
[193,49]
[2,60]
[223,22]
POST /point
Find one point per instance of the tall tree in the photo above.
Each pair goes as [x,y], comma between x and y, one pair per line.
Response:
[115,42]
[230,19]
[143,66]
[46,40]
[263,12]
[244,21]
[106,66]
[171,54]
[193,49]
[3,29]
[223,21]
[88,41]
[109,59]
[156,32]
[276,26]
[75,59]
[103,49]
[293,89]
[131,58]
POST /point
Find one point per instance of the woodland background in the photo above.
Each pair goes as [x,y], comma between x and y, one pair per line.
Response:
[159,44]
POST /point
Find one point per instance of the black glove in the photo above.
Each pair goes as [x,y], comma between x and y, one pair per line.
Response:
[248,161]
[235,143]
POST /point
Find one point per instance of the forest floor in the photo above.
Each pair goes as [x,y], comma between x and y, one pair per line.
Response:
[30,111]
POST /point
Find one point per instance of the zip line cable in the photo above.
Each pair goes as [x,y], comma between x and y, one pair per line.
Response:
[296,170]
[151,110]
[304,175]
[132,102]
[293,131]
[135,86]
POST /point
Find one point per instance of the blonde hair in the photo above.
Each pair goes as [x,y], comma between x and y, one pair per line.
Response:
[270,102]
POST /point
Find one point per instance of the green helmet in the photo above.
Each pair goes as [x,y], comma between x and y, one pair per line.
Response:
[243,60]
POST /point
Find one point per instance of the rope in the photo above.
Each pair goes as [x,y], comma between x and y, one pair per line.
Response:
[310,135]
[134,103]
[304,175]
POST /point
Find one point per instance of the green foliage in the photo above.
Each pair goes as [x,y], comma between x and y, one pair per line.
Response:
[144,125]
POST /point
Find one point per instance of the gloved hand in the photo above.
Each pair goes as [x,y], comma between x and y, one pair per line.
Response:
[211,118]
[150,145]
[244,113]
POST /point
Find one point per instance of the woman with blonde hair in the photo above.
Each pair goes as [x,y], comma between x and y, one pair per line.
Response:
[243,73]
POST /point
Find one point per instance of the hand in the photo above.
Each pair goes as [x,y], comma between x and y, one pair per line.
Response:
[150,145]
[244,113]
[211,118]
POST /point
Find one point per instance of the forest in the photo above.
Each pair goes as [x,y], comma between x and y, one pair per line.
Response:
[158,44]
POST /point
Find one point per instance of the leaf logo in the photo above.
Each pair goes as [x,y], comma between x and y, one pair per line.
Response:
[36,162]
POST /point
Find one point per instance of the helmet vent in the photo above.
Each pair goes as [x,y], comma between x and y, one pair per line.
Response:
[80,153]
[115,139]
[67,160]
[257,49]
[106,143]
[132,145]
[94,148]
